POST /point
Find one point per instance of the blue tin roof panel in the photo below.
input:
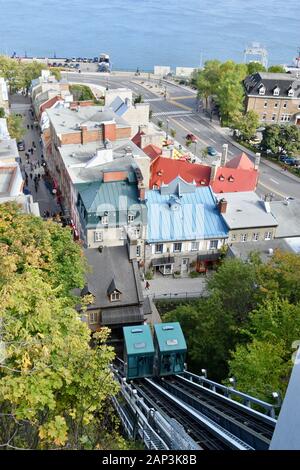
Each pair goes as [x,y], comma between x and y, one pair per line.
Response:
[138,340]
[170,337]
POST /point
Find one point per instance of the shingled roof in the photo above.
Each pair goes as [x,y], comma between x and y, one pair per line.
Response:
[283,81]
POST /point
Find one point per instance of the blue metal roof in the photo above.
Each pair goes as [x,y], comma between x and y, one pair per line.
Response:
[170,337]
[138,340]
[184,216]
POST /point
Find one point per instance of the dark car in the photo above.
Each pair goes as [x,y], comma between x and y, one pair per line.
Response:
[21,145]
[212,151]
[191,137]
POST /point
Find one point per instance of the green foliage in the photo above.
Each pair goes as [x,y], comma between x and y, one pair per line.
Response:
[82,93]
[138,99]
[194,274]
[276,69]
[246,124]
[56,71]
[278,138]
[173,133]
[15,127]
[2,113]
[19,74]
[149,275]
[254,67]
[55,389]
[160,124]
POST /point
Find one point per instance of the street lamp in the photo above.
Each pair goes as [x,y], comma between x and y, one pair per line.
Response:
[204,372]
[167,121]
[232,380]
[277,397]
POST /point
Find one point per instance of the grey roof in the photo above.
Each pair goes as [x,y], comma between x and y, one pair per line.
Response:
[243,250]
[178,187]
[113,263]
[287,214]
[8,149]
[246,210]
[113,287]
[67,121]
[271,80]
[77,156]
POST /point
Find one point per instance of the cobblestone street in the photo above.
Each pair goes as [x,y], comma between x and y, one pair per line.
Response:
[181,287]
[47,201]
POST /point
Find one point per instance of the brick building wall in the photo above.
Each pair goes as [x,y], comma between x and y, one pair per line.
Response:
[275,110]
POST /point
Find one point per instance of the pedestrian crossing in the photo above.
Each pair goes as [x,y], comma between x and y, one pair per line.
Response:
[173,113]
[150,100]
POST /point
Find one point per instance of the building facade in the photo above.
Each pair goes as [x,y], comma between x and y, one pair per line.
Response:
[274,96]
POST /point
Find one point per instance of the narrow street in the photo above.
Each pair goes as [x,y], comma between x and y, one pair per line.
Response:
[32,166]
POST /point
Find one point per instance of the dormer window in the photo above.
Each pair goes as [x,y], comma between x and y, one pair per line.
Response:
[130,218]
[221,178]
[202,182]
[114,296]
[104,219]
[262,89]
[276,91]
[113,292]
[290,92]
[231,179]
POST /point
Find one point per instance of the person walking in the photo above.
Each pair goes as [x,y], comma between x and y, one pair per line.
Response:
[147,287]
[30,174]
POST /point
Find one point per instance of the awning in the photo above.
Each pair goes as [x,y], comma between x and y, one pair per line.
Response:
[162,261]
[121,315]
[208,257]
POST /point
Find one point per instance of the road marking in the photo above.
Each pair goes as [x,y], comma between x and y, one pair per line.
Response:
[212,140]
[274,181]
[231,153]
[181,105]
[188,130]
[171,113]
[272,190]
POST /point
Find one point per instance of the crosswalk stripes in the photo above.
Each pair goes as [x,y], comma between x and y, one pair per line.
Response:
[173,113]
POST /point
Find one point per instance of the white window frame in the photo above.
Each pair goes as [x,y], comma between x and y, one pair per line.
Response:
[130,218]
[276,92]
[244,237]
[262,90]
[268,236]
[104,219]
[194,246]
[177,251]
[233,237]
[114,296]
[138,251]
[158,252]
[276,105]
[291,92]
[255,236]
[213,242]
[284,105]
[93,318]
[98,236]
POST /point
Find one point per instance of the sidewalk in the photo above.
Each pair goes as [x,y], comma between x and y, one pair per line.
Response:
[169,285]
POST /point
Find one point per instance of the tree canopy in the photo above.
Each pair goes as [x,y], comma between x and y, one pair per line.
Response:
[281,138]
[55,389]
[19,74]
[15,126]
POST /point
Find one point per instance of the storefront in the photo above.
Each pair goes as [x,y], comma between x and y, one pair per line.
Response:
[164,265]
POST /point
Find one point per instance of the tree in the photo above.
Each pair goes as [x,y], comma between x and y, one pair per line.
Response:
[208,79]
[82,93]
[19,74]
[209,335]
[230,96]
[160,124]
[276,69]
[2,113]
[246,124]
[281,138]
[15,127]
[173,133]
[254,67]
[138,99]
[264,364]
[236,284]
[55,389]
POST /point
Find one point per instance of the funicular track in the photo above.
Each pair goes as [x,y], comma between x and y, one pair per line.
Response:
[206,433]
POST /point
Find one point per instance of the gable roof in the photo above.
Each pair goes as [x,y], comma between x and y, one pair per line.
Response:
[152,151]
[229,180]
[137,138]
[113,287]
[164,170]
[284,81]
[242,162]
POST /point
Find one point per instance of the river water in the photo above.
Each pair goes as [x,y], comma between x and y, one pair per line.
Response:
[142,33]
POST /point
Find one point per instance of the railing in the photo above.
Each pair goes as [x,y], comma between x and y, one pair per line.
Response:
[177,295]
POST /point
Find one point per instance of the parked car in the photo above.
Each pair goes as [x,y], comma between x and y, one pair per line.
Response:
[21,145]
[212,151]
[191,137]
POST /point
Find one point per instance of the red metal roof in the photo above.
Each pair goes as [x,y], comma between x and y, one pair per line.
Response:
[137,138]
[164,170]
[242,162]
[234,180]
[152,151]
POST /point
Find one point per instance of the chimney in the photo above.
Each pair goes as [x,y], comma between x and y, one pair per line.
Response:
[224,154]
[257,161]
[84,134]
[141,191]
[213,172]
[128,102]
[109,131]
[222,206]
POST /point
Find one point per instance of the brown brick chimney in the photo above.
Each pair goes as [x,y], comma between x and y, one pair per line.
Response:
[84,134]
[222,206]
[109,131]
[141,191]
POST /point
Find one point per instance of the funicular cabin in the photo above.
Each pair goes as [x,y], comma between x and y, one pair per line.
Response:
[138,351]
[170,349]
